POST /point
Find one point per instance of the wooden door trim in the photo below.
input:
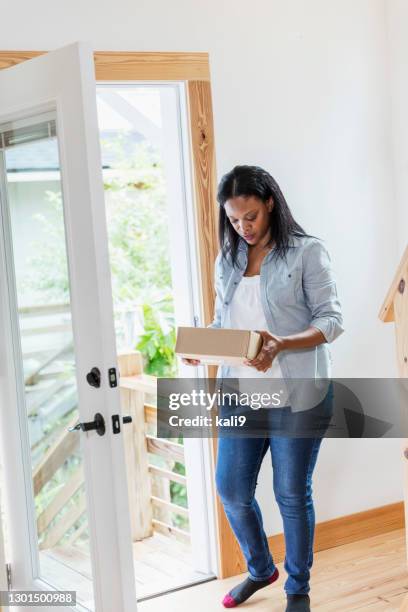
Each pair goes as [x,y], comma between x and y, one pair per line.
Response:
[133,66]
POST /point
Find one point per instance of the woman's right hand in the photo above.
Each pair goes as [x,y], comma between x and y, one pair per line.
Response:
[192,362]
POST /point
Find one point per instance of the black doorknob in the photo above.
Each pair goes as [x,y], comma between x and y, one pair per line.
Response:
[98,425]
[94,377]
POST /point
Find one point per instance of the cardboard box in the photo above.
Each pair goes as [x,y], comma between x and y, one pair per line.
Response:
[217,345]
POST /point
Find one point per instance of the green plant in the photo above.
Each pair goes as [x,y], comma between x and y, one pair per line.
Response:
[158,340]
[178,495]
[178,491]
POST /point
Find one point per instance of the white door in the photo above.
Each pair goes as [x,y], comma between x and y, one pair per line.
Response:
[59,485]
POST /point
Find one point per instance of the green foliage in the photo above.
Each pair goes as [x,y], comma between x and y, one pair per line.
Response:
[136,211]
[178,491]
[158,340]
[46,276]
[139,249]
[178,495]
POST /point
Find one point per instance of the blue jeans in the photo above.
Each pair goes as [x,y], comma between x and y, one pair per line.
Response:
[293,460]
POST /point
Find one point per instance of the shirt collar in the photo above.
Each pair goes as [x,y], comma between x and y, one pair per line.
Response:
[293,241]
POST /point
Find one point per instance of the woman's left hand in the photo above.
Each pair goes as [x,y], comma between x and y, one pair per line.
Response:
[271,346]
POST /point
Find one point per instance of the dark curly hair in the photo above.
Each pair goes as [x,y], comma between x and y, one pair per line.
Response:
[246,181]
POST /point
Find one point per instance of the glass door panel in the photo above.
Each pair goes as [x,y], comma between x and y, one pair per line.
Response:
[32,207]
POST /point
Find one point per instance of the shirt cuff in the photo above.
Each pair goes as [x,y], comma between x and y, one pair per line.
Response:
[330,328]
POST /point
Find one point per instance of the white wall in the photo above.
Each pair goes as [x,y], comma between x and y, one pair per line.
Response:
[398,45]
[301,88]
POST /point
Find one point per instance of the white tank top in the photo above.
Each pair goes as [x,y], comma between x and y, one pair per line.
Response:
[246,312]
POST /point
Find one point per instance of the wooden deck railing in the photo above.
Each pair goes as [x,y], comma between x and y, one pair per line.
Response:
[151,507]
[149,484]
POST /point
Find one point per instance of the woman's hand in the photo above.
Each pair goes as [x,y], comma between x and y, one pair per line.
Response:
[190,361]
[272,345]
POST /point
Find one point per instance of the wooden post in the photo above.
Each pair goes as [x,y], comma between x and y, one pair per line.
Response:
[161,489]
[138,477]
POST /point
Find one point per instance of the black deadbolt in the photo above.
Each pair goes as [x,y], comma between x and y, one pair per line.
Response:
[94,377]
[116,422]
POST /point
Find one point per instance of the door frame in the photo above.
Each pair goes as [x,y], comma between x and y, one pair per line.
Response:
[194,70]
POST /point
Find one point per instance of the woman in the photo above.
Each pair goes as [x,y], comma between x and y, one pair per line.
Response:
[272,276]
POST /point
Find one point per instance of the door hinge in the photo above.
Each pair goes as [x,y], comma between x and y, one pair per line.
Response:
[8,574]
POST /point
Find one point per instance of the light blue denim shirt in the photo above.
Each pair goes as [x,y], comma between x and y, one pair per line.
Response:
[296,293]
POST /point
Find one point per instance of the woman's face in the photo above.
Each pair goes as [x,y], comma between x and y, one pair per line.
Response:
[249,217]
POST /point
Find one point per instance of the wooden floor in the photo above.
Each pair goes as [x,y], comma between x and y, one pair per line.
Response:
[369,576]
[161,563]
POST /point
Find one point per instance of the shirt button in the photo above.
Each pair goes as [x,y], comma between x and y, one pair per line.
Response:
[226,303]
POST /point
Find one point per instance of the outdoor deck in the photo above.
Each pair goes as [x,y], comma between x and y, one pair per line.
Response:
[160,563]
